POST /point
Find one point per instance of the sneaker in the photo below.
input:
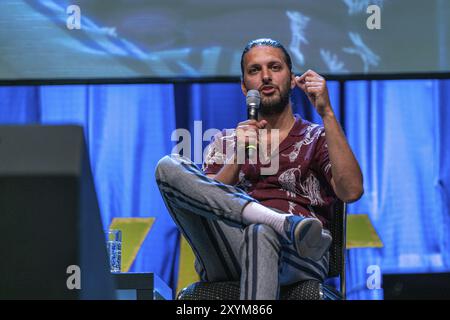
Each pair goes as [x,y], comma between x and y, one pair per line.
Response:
[307,236]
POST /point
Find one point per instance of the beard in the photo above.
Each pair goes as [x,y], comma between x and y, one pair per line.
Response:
[277,102]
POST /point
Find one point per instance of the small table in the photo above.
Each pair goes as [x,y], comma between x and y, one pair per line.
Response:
[141,286]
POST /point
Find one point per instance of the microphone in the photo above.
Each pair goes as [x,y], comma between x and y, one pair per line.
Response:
[252,100]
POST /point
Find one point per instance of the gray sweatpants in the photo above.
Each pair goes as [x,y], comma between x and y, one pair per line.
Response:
[209,215]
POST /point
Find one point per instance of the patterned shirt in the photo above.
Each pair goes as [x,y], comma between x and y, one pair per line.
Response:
[301,185]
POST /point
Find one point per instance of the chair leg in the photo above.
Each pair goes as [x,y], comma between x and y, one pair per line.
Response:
[344,252]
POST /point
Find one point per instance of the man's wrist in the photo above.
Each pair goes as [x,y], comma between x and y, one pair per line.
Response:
[233,161]
[328,113]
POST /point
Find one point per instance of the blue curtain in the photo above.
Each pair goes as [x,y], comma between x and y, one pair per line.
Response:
[126,129]
[399,134]
[397,129]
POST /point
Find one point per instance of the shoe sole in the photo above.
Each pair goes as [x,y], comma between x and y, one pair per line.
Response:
[310,241]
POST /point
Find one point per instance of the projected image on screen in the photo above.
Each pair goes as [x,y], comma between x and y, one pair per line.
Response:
[100,39]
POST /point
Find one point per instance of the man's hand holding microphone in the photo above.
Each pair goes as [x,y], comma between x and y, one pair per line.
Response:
[247,131]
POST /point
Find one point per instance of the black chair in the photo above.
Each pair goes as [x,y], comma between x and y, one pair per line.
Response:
[305,290]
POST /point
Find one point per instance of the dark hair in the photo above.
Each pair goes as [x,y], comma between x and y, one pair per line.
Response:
[267,42]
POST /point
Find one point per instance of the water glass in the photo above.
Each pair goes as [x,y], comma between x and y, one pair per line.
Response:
[114,248]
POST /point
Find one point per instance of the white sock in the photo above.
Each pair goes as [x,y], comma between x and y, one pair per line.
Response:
[257,213]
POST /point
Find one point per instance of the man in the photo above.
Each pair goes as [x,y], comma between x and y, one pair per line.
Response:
[265,230]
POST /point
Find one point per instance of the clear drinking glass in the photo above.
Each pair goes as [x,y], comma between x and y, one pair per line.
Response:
[114,247]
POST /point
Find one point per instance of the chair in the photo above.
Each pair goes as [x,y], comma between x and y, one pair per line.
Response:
[305,290]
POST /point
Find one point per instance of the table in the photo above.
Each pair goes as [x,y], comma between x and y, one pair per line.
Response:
[141,286]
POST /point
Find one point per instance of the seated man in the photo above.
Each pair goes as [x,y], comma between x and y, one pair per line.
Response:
[265,230]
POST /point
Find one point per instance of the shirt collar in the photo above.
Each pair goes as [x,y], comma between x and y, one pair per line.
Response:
[299,127]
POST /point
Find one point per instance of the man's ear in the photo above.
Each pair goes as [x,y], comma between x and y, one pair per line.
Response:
[293,82]
[243,88]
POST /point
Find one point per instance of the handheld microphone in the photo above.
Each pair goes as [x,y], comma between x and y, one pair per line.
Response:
[252,100]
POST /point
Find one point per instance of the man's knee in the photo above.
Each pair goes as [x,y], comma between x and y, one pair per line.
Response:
[162,167]
[168,166]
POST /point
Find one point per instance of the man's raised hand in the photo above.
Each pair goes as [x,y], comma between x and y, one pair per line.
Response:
[315,88]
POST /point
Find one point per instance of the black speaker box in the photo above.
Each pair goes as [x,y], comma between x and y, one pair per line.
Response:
[420,286]
[49,217]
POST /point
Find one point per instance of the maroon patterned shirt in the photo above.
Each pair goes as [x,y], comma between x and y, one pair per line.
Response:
[301,185]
